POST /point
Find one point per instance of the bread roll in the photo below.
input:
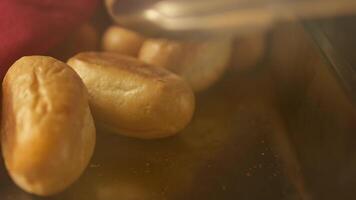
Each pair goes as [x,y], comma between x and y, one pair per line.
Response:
[123,41]
[133,98]
[48,134]
[200,63]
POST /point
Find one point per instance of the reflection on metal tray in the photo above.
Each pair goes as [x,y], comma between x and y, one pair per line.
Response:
[337,41]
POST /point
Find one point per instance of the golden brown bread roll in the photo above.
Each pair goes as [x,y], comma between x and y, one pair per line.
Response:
[48,134]
[122,41]
[134,98]
[200,63]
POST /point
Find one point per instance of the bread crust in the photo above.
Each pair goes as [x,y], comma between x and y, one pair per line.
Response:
[48,133]
[134,98]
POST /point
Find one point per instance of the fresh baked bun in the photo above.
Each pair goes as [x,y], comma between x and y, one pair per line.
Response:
[48,133]
[122,41]
[133,98]
[201,64]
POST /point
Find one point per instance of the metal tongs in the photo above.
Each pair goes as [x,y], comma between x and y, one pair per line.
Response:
[181,18]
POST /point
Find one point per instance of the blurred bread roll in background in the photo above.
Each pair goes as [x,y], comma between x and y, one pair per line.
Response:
[201,63]
[121,40]
[133,98]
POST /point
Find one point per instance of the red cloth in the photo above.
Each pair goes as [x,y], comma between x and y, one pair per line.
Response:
[30,27]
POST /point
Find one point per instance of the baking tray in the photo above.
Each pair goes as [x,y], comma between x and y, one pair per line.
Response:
[282,130]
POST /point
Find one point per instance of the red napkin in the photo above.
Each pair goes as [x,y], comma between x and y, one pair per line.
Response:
[33,26]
